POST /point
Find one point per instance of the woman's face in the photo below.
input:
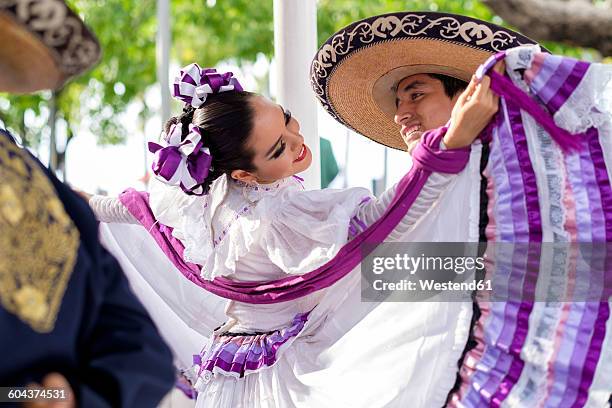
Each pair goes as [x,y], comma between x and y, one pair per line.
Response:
[278,146]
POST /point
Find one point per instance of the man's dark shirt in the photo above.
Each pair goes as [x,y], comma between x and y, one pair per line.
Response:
[99,337]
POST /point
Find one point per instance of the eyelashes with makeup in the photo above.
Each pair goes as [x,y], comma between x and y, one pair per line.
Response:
[279,151]
[287,114]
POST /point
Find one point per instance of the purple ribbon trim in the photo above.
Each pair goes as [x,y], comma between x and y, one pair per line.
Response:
[513,191]
[592,359]
[532,258]
[239,354]
[552,74]
[568,86]
[193,84]
[601,175]
[603,313]
[504,87]
[185,163]
[426,159]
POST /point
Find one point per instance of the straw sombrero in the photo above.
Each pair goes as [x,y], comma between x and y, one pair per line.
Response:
[42,44]
[355,71]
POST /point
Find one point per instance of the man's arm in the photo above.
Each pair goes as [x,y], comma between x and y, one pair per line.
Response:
[473,111]
[124,362]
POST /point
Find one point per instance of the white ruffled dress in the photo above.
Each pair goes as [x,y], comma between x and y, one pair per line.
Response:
[326,349]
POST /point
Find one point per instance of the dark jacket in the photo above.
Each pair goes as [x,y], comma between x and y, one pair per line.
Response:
[65,303]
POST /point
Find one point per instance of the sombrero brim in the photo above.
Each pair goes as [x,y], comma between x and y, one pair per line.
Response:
[354,74]
[42,49]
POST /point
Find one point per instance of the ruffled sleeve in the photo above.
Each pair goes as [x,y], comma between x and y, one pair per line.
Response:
[235,243]
[187,215]
[110,209]
[304,229]
[307,229]
[371,210]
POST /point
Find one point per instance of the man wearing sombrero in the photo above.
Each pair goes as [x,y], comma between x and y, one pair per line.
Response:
[542,175]
[379,55]
[68,319]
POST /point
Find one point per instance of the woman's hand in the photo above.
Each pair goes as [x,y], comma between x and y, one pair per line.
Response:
[473,111]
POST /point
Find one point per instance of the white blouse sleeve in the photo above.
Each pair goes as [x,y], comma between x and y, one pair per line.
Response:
[308,228]
[370,211]
[111,210]
[305,229]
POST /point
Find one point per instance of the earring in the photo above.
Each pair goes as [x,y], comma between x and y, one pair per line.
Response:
[245,193]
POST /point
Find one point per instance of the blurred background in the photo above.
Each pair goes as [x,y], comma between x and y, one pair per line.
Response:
[93,132]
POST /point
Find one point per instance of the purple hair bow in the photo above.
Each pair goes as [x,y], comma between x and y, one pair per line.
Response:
[182,163]
[194,84]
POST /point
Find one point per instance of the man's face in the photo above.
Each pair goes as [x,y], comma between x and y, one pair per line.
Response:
[421,105]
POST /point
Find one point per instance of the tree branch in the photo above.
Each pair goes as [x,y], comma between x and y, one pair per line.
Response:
[574,22]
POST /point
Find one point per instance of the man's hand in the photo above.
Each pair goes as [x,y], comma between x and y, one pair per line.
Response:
[53,380]
[473,111]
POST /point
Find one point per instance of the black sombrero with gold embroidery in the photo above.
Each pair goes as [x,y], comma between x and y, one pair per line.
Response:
[355,71]
[42,44]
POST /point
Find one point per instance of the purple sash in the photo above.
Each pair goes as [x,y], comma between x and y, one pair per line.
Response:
[427,158]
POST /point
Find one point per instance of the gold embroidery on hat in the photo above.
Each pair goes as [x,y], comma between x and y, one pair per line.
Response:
[38,241]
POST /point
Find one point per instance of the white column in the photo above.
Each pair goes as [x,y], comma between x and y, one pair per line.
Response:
[295,43]
[163,56]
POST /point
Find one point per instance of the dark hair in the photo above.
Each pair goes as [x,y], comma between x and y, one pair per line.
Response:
[226,120]
[452,86]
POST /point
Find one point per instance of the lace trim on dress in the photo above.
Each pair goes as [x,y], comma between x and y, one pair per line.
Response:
[590,104]
[234,240]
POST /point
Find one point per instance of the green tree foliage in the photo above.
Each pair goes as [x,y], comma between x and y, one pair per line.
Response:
[126,30]
[212,31]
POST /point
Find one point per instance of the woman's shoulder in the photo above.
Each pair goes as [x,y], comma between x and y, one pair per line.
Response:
[290,195]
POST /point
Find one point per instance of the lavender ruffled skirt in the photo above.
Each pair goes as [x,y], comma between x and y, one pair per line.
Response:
[236,355]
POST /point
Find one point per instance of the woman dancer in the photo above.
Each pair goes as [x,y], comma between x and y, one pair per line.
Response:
[232,205]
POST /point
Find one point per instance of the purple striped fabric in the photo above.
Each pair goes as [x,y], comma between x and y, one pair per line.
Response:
[501,362]
[532,259]
[578,341]
[239,355]
[567,88]
[551,77]
[496,367]
[603,309]
[499,331]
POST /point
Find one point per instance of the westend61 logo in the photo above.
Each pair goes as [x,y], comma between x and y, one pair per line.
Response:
[429,269]
[495,272]
[422,272]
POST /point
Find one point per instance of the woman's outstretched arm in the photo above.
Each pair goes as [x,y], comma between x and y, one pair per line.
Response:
[110,209]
